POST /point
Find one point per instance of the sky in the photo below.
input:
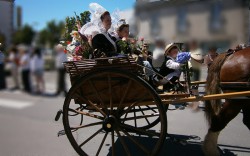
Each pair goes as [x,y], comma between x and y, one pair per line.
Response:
[38,12]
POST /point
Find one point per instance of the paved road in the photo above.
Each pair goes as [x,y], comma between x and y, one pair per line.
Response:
[28,128]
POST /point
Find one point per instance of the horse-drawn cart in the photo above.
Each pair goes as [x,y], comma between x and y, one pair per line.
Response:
[112,106]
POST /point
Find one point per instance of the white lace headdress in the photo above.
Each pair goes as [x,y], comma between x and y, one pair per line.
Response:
[95,25]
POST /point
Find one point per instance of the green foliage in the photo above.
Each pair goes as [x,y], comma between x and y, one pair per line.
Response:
[51,34]
[57,31]
[70,23]
[123,46]
[24,35]
[85,17]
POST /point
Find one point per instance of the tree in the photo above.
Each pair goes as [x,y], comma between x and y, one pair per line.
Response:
[55,32]
[51,34]
[24,35]
[71,23]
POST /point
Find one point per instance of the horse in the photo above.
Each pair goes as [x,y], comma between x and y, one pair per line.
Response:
[234,67]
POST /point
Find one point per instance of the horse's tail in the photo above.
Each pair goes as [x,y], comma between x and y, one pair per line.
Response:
[212,107]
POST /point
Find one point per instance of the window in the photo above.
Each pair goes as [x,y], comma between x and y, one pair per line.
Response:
[216,18]
[182,24]
[155,25]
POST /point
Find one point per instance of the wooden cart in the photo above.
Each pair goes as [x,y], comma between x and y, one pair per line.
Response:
[110,100]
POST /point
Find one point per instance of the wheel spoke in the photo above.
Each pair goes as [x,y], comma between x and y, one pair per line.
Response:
[90,103]
[125,147]
[92,136]
[125,117]
[140,117]
[135,118]
[87,114]
[103,140]
[125,94]
[151,109]
[84,126]
[144,149]
[113,143]
[139,130]
[78,108]
[144,115]
[97,94]
[132,105]
[110,95]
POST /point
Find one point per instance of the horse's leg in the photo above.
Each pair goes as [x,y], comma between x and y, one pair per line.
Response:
[246,115]
[219,122]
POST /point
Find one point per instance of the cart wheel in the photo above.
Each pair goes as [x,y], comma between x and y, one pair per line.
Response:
[105,111]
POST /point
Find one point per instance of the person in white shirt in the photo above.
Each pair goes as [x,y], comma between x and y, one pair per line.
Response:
[60,58]
[158,54]
[37,70]
[25,67]
[13,59]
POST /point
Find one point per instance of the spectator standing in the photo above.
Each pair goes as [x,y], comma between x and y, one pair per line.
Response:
[146,51]
[2,71]
[37,70]
[196,60]
[14,63]
[25,68]
[158,54]
[60,58]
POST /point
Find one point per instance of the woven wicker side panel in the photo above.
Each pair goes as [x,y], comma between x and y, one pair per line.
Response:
[75,68]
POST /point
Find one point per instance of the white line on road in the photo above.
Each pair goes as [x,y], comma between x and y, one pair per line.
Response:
[14,104]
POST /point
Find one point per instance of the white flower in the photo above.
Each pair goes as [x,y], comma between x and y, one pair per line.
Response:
[124,39]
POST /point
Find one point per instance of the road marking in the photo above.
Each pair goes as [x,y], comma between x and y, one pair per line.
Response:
[15,104]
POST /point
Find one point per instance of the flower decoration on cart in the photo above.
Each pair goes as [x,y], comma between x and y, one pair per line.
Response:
[76,45]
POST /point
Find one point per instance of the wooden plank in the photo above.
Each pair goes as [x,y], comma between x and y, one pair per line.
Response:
[198,82]
[208,97]
[172,96]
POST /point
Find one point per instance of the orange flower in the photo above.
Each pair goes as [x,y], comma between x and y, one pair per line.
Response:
[65,51]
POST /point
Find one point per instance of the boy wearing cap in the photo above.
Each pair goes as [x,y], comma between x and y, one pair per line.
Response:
[170,69]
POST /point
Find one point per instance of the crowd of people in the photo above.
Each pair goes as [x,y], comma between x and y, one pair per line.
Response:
[28,64]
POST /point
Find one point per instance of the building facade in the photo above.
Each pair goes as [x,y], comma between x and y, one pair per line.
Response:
[221,22]
[6,21]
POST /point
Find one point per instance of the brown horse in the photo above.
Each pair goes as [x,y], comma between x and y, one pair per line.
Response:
[226,68]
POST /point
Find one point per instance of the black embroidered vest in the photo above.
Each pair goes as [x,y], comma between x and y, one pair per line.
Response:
[164,71]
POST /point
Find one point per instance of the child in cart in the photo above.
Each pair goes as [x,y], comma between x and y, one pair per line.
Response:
[170,70]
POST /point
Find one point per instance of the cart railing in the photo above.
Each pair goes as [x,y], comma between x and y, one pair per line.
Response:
[75,68]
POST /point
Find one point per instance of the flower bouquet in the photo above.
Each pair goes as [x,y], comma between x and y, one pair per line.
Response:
[78,48]
[124,46]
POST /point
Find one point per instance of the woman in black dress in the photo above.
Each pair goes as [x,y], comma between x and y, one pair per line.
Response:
[103,42]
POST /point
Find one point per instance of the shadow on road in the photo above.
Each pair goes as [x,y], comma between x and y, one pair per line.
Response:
[175,145]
